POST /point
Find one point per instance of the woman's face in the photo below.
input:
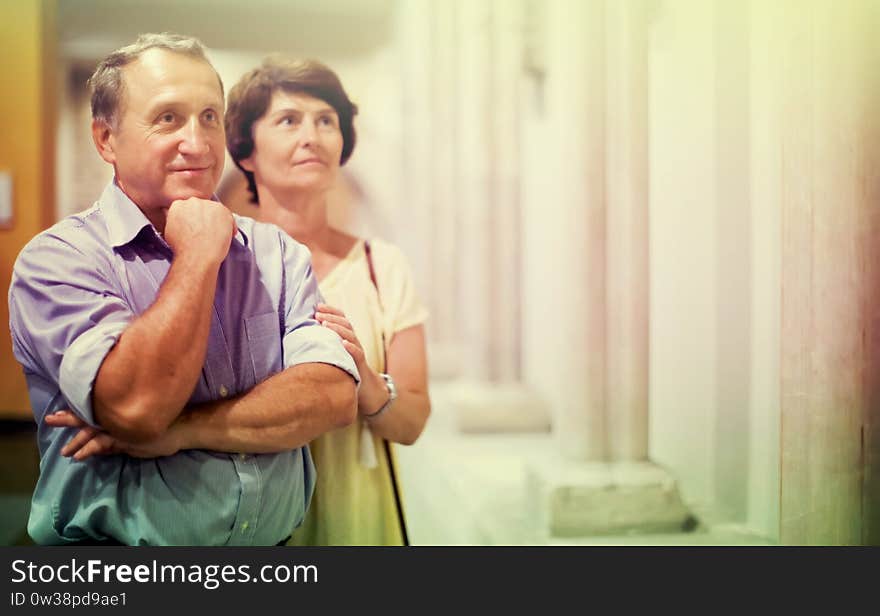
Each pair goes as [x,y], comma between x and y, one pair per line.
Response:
[297,144]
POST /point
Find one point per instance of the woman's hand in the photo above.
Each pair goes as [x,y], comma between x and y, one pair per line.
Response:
[91,441]
[335,319]
[372,393]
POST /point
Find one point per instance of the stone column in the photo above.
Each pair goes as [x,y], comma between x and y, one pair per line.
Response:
[504,234]
[441,215]
[602,482]
[460,136]
[575,209]
[627,194]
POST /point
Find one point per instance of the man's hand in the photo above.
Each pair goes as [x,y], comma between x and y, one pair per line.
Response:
[90,441]
[201,228]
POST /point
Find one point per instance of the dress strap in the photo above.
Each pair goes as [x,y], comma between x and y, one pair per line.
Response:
[386,445]
[369,253]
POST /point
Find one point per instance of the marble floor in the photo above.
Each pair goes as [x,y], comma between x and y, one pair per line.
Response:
[470,489]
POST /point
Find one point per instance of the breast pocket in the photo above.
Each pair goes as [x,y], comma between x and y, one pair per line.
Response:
[263,333]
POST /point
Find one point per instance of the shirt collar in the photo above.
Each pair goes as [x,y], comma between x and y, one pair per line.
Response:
[125,220]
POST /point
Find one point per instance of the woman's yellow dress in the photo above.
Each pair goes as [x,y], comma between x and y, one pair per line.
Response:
[354,504]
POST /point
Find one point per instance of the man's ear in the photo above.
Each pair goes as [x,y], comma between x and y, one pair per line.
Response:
[102,135]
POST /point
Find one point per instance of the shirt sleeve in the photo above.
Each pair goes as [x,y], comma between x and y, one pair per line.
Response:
[305,340]
[400,301]
[65,316]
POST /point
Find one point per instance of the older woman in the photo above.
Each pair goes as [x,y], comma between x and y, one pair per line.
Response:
[289,128]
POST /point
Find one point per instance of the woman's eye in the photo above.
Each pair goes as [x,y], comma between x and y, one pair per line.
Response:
[210,116]
[287,121]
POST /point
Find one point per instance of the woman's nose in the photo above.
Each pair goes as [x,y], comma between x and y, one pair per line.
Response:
[308,133]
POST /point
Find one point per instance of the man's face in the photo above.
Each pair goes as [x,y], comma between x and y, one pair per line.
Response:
[168,142]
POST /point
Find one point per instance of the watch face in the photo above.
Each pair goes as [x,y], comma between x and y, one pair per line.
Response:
[389,383]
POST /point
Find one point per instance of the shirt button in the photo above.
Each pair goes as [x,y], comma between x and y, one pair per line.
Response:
[223,391]
[242,456]
[244,526]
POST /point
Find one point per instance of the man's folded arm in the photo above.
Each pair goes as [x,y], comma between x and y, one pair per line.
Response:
[150,373]
[315,393]
[283,412]
[131,375]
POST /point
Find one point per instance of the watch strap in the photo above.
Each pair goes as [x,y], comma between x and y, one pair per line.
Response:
[392,396]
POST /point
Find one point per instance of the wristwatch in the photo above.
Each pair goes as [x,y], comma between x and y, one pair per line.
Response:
[392,396]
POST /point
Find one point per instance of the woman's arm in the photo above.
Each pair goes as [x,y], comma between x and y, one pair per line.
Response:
[407,365]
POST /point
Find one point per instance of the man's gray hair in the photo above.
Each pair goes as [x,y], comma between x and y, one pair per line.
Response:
[107,85]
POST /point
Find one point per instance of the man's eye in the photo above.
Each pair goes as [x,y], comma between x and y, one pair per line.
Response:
[327,121]
[210,116]
[166,118]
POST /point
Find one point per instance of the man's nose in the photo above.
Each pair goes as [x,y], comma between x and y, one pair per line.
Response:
[194,138]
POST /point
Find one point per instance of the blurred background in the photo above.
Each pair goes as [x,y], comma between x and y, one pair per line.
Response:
[646,232]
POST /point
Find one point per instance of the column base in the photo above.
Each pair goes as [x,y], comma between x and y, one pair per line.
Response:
[577,499]
[482,408]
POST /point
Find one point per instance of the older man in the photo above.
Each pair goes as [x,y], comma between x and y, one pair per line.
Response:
[181,336]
